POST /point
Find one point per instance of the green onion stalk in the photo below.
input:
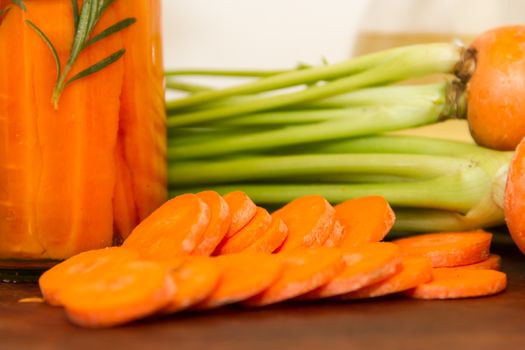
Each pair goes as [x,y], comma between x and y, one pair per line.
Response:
[327,130]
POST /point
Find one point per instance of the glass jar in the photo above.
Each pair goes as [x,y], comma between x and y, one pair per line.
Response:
[82,161]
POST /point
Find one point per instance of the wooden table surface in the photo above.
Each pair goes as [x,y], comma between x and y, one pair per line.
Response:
[496,322]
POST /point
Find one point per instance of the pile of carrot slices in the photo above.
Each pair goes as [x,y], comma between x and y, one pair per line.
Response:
[203,251]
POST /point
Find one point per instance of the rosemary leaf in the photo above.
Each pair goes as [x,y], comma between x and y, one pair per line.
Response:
[74,8]
[105,5]
[111,30]
[20,3]
[98,66]
[49,44]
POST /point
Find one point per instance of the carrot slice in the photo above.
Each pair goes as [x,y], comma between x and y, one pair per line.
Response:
[492,263]
[219,223]
[119,294]
[366,219]
[337,236]
[304,271]
[81,266]
[272,239]
[448,249]
[310,220]
[174,229]
[242,210]
[415,271]
[364,265]
[243,276]
[195,278]
[460,283]
[247,235]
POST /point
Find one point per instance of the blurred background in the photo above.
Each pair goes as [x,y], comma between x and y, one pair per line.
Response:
[282,33]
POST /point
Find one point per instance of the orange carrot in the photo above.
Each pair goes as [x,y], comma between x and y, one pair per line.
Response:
[219,223]
[248,235]
[119,294]
[272,239]
[492,263]
[174,229]
[310,220]
[337,236]
[195,279]
[495,91]
[448,249]
[415,271]
[304,270]
[460,283]
[243,275]
[79,267]
[515,197]
[242,210]
[366,219]
[367,264]
[142,129]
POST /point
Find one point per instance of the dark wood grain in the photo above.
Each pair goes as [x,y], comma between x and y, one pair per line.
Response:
[494,323]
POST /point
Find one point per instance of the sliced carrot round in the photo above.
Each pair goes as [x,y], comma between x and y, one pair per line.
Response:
[448,249]
[250,233]
[84,265]
[492,263]
[515,197]
[364,265]
[196,278]
[219,225]
[337,236]
[119,294]
[243,275]
[304,271]
[366,219]
[310,220]
[415,270]
[242,210]
[272,239]
[174,229]
[460,283]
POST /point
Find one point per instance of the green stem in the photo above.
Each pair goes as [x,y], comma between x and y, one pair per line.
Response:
[458,191]
[186,87]
[378,120]
[289,167]
[225,73]
[381,67]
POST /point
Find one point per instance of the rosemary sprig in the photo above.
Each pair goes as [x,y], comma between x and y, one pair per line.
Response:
[85,20]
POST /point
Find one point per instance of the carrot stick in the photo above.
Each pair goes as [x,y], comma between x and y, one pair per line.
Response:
[415,271]
[337,236]
[365,265]
[243,276]
[219,223]
[460,283]
[20,162]
[142,128]
[195,279]
[310,220]
[55,280]
[272,239]
[492,263]
[448,249]
[242,210]
[304,271]
[174,229]
[366,219]
[119,294]
[248,235]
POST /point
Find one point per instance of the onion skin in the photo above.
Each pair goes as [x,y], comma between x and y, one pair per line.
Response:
[496,90]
